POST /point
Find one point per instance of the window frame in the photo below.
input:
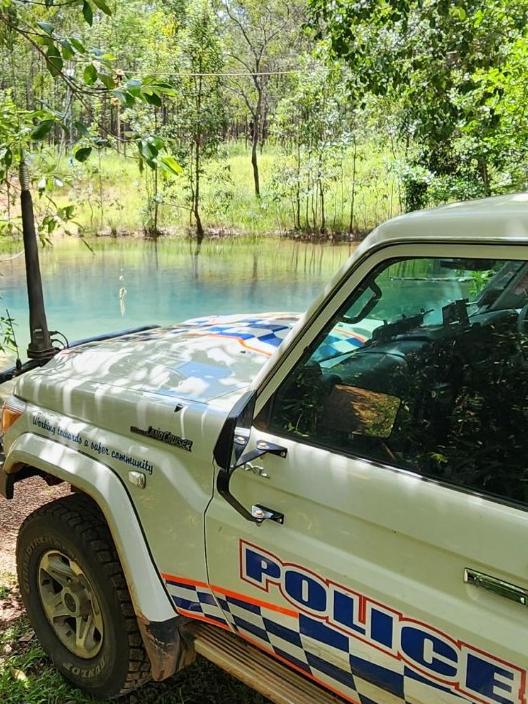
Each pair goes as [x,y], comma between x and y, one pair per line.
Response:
[343,296]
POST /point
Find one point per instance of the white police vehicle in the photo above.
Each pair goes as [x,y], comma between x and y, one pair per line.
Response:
[326,505]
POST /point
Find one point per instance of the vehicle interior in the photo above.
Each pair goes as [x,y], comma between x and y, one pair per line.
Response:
[440,382]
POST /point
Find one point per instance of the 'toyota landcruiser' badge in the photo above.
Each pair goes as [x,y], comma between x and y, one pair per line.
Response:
[164,436]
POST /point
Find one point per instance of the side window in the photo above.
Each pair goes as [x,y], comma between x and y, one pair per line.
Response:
[425,368]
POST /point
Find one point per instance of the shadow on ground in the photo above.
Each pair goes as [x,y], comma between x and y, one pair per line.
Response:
[28,677]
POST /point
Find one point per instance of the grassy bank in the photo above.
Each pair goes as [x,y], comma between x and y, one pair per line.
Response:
[110,195]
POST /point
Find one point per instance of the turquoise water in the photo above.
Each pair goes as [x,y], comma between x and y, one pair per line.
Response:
[130,282]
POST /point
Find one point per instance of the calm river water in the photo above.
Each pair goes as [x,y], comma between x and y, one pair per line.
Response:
[130,282]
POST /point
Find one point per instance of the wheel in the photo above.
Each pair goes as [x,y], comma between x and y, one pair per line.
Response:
[77,599]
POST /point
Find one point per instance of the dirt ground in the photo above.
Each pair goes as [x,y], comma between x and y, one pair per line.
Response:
[29,495]
[26,674]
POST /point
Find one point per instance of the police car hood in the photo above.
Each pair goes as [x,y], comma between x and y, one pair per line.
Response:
[200,359]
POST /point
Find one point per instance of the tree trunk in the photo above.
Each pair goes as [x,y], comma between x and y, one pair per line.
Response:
[297,222]
[254,161]
[118,127]
[484,175]
[322,202]
[156,203]
[353,193]
[255,136]
[196,199]
[197,155]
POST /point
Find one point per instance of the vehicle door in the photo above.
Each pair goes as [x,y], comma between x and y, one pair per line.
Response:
[374,534]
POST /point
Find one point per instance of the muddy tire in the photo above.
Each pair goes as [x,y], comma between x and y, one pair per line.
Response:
[77,599]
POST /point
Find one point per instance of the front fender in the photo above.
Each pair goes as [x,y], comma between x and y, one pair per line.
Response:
[151,601]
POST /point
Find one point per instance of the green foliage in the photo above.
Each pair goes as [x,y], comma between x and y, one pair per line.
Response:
[439,86]
[452,72]
[200,106]
[314,122]
[111,195]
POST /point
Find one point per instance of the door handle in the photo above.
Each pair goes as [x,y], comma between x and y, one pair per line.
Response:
[497,586]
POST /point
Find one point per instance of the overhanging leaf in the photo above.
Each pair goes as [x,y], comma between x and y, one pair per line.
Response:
[133,86]
[8,157]
[169,163]
[152,98]
[124,97]
[82,129]
[77,44]
[101,4]
[68,52]
[54,61]
[42,129]
[107,81]
[83,153]
[46,27]
[90,75]
[87,12]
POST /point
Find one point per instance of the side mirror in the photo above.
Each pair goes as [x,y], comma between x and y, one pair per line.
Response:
[234,435]
[229,449]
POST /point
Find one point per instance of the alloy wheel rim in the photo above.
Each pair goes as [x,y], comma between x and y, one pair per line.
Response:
[70,604]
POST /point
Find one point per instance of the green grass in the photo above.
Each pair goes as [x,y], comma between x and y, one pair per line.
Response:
[27,676]
[110,194]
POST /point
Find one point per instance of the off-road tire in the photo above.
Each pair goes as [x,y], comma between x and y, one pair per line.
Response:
[75,526]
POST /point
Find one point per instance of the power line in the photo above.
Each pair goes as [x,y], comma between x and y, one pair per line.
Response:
[249,74]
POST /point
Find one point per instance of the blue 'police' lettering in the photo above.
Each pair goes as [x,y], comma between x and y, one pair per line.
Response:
[258,567]
[429,651]
[490,680]
[382,628]
[305,590]
[345,608]
[335,620]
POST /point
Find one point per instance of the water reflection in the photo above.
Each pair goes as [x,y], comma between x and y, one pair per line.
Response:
[166,281]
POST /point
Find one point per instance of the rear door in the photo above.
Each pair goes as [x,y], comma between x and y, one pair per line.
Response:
[393,567]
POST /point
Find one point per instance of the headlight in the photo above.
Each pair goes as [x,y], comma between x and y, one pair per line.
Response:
[12,409]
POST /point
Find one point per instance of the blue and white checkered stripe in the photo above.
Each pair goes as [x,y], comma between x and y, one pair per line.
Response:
[344,664]
[198,601]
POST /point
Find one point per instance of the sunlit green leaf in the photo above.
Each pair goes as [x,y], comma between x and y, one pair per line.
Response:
[78,45]
[170,164]
[54,61]
[90,75]
[68,51]
[134,87]
[107,81]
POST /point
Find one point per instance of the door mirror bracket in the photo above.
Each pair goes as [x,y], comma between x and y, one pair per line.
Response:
[263,448]
[229,451]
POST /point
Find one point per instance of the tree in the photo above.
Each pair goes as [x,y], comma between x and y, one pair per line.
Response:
[93,76]
[259,37]
[87,74]
[312,122]
[430,58]
[200,107]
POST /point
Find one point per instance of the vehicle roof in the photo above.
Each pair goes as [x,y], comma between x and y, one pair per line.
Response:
[501,217]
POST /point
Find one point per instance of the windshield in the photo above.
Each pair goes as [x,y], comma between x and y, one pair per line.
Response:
[414,294]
